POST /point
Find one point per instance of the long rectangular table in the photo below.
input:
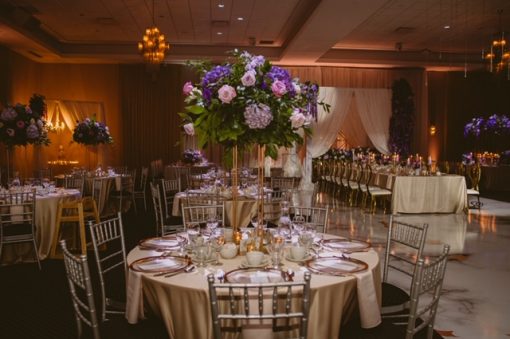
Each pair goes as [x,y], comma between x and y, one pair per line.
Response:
[429,194]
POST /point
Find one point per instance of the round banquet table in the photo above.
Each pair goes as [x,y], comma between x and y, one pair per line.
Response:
[182,301]
[45,217]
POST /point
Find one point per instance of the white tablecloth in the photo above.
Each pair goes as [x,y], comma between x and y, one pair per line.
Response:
[182,301]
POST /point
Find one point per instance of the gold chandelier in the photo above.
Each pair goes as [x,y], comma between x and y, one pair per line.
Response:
[153,45]
[498,55]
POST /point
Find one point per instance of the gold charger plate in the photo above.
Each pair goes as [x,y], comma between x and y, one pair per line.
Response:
[255,276]
[344,244]
[336,265]
[159,264]
[168,242]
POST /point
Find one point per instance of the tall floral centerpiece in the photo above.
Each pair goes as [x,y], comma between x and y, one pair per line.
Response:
[248,101]
[91,133]
[22,125]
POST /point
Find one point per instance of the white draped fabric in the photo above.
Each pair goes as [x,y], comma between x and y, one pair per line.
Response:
[72,111]
[374,109]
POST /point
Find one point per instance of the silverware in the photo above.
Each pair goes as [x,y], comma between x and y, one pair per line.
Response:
[187,269]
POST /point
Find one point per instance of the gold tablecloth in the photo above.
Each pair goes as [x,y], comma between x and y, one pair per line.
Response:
[45,217]
[246,209]
[182,301]
[429,194]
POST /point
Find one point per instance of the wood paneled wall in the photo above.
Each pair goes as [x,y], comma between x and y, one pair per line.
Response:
[454,100]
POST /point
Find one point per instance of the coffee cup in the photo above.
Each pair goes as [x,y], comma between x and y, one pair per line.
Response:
[298,252]
[254,258]
[228,233]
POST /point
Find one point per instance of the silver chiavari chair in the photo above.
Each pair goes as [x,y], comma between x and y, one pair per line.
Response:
[288,305]
[80,286]
[17,220]
[110,252]
[317,217]
[162,227]
[170,188]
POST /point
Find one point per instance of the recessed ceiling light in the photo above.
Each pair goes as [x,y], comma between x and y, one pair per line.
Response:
[219,33]
[220,5]
[446,27]
[240,18]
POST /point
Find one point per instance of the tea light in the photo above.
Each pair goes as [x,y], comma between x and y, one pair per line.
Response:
[237,237]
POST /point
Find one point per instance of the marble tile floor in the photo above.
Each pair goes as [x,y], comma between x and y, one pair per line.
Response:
[475,302]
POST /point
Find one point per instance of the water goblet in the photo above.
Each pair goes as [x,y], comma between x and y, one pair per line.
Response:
[217,243]
[212,223]
[298,223]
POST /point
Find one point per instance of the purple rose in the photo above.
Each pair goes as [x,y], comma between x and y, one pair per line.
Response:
[28,109]
[279,89]
[249,78]
[189,129]
[187,88]
[226,94]
[32,132]
[8,114]
[20,124]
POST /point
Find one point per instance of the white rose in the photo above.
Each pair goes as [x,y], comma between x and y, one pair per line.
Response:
[297,88]
[189,129]
[297,119]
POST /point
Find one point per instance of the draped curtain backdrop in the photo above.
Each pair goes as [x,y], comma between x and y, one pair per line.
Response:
[374,110]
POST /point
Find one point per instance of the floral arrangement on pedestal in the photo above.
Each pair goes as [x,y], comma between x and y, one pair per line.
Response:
[402,118]
[248,101]
[21,125]
[91,132]
[192,156]
[495,124]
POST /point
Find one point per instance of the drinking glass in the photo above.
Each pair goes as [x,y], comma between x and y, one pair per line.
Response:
[217,242]
[212,223]
[298,223]
[193,232]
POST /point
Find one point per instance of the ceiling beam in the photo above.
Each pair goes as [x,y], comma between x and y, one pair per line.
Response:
[329,23]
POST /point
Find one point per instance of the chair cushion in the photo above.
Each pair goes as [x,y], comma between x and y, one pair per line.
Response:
[394,299]
[471,191]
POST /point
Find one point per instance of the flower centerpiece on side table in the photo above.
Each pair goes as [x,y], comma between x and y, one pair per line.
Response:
[90,132]
[248,101]
[22,125]
[192,156]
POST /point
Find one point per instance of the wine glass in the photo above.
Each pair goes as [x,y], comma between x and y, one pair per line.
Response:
[217,242]
[212,223]
[298,223]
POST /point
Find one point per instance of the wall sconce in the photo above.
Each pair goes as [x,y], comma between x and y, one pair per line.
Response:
[432,130]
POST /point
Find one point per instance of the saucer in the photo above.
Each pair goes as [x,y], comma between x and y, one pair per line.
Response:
[290,258]
[264,263]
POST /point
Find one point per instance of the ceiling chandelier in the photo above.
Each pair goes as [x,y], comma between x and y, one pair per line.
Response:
[153,45]
[498,55]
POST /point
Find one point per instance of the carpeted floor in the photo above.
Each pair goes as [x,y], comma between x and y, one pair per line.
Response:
[36,304]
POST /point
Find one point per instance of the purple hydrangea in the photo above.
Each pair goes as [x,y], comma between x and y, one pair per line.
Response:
[258,116]
[32,132]
[214,75]
[474,127]
[278,73]
[311,92]
[8,114]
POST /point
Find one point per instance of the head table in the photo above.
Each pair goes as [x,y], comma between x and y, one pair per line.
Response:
[182,300]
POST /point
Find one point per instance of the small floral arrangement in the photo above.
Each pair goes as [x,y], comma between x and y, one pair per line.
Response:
[21,125]
[495,124]
[249,101]
[191,156]
[91,132]
[468,158]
